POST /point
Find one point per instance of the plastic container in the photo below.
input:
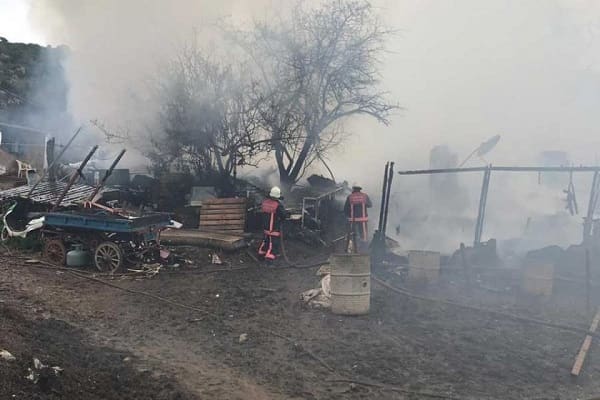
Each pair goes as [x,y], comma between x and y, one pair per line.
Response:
[350,284]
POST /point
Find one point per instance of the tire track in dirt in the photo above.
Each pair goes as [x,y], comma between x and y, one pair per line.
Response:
[162,353]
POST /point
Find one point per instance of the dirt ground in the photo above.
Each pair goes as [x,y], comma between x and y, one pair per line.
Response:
[114,344]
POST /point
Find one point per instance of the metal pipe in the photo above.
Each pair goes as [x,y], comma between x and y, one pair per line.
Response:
[387,200]
[504,169]
[25,128]
[592,203]
[108,173]
[54,161]
[383,194]
[74,177]
[588,281]
[482,205]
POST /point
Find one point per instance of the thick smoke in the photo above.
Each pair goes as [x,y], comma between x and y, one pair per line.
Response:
[117,50]
[463,72]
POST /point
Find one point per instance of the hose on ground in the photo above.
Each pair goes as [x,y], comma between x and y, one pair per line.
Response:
[294,265]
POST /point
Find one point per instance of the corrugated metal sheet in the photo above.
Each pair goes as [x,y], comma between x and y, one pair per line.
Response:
[49,192]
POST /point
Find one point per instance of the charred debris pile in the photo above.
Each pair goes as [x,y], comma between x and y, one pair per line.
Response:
[81,215]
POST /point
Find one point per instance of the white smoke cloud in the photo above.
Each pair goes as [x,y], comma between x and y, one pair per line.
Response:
[463,71]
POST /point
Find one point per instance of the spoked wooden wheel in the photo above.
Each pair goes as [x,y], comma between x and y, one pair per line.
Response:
[108,257]
[55,251]
[4,235]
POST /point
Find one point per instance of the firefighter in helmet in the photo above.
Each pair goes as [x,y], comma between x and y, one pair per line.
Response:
[355,210]
[273,214]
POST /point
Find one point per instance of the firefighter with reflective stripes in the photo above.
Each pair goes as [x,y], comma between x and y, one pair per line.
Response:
[355,210]
[273,216]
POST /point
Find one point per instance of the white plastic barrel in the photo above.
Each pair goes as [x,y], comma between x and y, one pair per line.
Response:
[538,279]
[350,284]
[424,266]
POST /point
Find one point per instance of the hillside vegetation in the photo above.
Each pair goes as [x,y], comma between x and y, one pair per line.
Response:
[31,76]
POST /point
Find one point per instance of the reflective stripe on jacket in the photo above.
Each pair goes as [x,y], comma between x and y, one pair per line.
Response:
[358,207]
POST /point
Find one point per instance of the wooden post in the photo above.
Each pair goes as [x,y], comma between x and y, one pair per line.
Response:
[593,201]
[482,205]
[107,175]
[465,265]
[585,346]
[588,281]
[50,159]
[54,162]
[74,178]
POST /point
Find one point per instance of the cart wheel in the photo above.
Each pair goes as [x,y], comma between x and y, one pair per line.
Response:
[108,257]
[4,236]
[55,251]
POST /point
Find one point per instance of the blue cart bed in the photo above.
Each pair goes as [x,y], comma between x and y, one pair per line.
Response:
[104,222]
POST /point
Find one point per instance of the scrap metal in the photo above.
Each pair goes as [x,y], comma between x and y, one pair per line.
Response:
[74,177]
[595,190]
[50,192]
[54,161]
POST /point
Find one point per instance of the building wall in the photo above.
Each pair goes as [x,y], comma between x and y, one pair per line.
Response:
[8,164]
[26,147]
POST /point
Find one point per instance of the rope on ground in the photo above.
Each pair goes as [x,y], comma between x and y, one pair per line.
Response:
[304,349]
[5,247]
[393,388]
[141,293]
[41,264]
[298,266]
[347,379]
[81,275]
[49,265]
[479,309]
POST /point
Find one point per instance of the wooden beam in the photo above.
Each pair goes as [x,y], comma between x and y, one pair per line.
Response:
[241,200]
[226,241]
[223,212]
[214,228]
[222,207]
[228,231]
[234,222]
[222,217]
[585,346]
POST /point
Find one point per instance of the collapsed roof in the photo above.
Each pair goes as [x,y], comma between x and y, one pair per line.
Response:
[49,193]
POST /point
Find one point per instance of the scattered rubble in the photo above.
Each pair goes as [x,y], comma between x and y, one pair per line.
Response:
[41,373]
[321,296]
[6,356]
[243,338]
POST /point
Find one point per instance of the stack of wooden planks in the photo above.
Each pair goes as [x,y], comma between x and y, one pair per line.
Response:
[223,215]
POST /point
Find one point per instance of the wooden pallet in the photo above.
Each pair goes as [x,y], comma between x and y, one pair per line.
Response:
[223,215]
[194,237]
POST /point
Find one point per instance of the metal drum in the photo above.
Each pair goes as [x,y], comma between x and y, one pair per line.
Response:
[350,284]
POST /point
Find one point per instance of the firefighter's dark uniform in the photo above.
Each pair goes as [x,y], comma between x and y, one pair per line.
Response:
[273,215]
[355,210]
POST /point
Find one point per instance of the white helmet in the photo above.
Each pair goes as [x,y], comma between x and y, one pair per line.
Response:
[275,192]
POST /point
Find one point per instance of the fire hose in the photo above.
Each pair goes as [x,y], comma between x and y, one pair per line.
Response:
[294,265]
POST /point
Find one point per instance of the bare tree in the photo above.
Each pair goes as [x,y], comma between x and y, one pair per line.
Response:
[316,68]
[209,124]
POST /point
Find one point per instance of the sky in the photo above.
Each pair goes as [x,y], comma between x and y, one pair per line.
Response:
[15,24]
[462,70]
